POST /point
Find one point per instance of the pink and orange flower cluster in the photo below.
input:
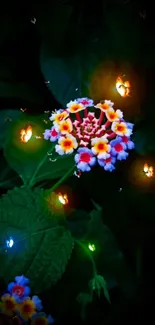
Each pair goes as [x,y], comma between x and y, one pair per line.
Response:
[95,138]
[16,302]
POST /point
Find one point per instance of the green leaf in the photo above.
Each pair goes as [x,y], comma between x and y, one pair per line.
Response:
[35,160]
[42,244]
[99,284]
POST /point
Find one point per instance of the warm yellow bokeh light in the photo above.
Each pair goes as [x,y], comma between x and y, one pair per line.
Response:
[148,170]
[123,87]
[63,198]
[26,134]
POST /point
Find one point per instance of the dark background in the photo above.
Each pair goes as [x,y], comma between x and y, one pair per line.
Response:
[22,84]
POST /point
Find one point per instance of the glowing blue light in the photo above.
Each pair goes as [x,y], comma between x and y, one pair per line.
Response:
[9,242]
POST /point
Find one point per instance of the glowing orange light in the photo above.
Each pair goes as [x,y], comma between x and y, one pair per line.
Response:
[123,87]
[63,198]
[26,134]
[148,170]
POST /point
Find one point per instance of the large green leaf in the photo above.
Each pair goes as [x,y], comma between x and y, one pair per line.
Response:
[42,245]
[35,160]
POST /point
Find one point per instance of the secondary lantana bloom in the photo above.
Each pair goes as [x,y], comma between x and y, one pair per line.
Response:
[66,145]
[59,116]
[96,133]
[64,127]
[75,106]
[120,128]
[101,147]
[118,148]
[26,310]
[108,163]
[84,159]
[105,106]
[19,288]
[51,135]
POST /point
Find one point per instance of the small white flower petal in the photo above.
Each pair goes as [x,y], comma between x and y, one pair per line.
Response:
[59,150]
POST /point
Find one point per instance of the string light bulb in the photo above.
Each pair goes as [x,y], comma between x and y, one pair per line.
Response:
[63,198]
[91,247]
[9,242]
[26,134]
[122,87]
[148,170]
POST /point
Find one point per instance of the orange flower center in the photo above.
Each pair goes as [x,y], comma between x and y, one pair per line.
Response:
[101,146]
[67,143]
[120,128]
[75,107]
[112,116]
[65,127]
[105,106]
[60,118]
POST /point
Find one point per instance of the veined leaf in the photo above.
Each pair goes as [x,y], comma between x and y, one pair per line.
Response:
[42,244]
[35,160]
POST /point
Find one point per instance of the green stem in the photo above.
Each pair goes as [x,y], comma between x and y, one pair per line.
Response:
[84,247]
[62,179]
[32,181]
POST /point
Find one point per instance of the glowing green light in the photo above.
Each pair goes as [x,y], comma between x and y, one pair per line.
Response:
[92,247]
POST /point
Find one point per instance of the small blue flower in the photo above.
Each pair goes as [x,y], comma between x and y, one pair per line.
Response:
[130,125]
[107,164]
[19,289]
[22,280]
[130,144]
[118,149]
[51,135]
[84,159]
[37,302]
[86,101]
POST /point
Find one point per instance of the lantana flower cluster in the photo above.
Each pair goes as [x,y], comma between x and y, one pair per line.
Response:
[96,133]
[16,302]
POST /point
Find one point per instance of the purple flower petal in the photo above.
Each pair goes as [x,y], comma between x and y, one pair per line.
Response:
[27,291]
[92,161]
[37,302]
[83,167]
[10,286]
[122,155]
[22,280]
[77,158]
[130,145]
[109,167]
[101,162]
